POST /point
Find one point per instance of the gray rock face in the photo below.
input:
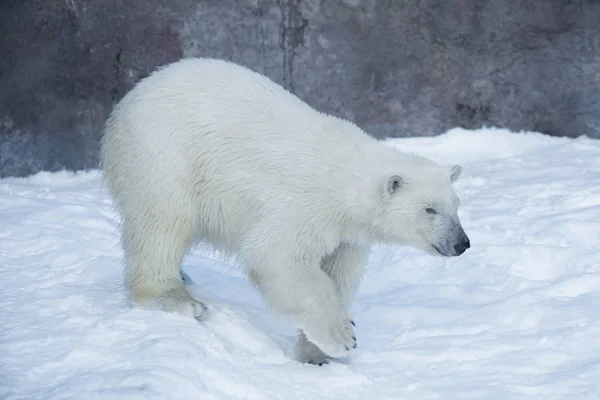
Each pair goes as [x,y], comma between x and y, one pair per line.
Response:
[395,67]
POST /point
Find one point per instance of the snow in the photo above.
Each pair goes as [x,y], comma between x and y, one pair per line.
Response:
[516,317]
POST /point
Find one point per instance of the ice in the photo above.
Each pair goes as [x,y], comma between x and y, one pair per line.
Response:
[516,317]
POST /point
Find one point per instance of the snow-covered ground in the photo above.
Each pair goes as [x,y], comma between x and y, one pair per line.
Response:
[516,317]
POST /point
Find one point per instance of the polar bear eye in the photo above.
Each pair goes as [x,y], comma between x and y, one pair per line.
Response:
[430,210]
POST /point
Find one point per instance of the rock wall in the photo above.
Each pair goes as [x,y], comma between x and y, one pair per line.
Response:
[395,67]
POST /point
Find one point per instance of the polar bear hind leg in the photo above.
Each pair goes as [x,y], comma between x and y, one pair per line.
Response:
[153,256]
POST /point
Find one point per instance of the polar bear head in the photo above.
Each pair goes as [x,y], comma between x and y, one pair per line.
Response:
[419,209]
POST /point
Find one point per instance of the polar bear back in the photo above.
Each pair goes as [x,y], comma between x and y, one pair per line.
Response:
[204,109]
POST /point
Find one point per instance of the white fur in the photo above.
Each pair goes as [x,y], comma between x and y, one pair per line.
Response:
[208,150]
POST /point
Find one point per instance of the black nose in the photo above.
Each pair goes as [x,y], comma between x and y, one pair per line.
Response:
[462,246]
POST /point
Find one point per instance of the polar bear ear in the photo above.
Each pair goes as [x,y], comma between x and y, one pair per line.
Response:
[455,171]
[395,182]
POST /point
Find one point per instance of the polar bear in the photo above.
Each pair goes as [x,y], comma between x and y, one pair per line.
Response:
[208,150]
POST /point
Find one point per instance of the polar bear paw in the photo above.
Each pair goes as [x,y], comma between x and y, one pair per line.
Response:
[334,337]
[176,301]
[307,352]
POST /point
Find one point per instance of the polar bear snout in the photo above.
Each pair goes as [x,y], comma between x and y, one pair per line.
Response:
[462,245]
[456,244]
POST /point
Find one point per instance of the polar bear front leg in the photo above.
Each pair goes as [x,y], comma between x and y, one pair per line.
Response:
[153,255]
[296,286]
[345,266]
